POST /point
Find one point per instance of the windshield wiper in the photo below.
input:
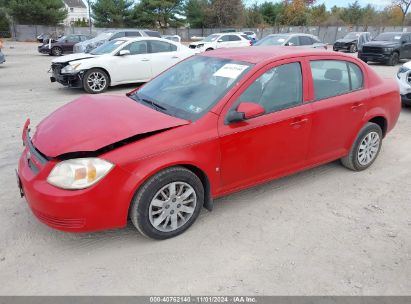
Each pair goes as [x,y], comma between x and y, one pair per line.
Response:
[153,104]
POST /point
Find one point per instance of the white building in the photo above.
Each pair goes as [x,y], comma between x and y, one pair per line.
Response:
[77,10]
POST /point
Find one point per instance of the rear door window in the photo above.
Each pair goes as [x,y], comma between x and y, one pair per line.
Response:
[161,46]
[335,77]
[234,38]
[305,40]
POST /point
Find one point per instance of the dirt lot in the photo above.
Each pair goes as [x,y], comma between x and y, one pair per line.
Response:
[325,231]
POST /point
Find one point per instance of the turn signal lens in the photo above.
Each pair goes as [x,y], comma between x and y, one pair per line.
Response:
[79,173]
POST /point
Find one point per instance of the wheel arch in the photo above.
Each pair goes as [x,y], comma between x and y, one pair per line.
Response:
[381,121]
[200,173]
[100,68]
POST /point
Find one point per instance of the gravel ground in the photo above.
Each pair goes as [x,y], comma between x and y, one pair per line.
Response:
[326,231]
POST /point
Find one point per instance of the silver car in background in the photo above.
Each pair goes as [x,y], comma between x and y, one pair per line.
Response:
[88,45]
[291,39]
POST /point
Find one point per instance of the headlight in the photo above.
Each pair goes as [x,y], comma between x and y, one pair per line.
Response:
[388,50]
[402,70]
[79,173]
[68,69]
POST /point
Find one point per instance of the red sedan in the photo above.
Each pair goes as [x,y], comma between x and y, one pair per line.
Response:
[211,125]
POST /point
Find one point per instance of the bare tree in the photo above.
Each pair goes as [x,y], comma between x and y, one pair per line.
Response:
[404,6]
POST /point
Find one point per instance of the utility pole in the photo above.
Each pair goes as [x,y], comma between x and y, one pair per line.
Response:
[89,15]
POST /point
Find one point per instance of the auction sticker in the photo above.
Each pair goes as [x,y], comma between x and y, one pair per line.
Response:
[230,70]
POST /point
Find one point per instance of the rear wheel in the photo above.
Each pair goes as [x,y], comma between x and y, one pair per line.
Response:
[209,49]
[95,81]
[365,149]
[56,51]
[168,203]
[394,59]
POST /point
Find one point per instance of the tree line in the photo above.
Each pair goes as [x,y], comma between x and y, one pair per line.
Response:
[207,13]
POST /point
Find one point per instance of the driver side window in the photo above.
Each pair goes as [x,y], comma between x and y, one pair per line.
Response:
[138,47]
[293,41]
[277,89]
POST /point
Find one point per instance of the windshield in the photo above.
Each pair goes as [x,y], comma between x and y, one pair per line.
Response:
[273,40]
[104,36]
[62,39]
[352,36]
[211,38]
[192,87]
[388,37]
[107,47]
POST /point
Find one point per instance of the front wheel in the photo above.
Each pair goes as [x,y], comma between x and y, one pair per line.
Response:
[209,49]
[168,203]
[353,48]
[95,81]
[365,149]
[394,59]
[56,51]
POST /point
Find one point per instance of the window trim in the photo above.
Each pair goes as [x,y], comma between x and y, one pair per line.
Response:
[236,95]
[347,62]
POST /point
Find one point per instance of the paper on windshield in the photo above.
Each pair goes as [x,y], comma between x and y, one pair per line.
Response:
[397,37]
[281,40]
[230,70]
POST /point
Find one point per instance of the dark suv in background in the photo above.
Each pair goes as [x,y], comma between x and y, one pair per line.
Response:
[87,46]
[62,46]
[387,48]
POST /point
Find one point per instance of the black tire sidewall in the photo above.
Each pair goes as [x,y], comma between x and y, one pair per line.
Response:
[394,59]
[86,86]
[353,48]
[370,127]
[139,212]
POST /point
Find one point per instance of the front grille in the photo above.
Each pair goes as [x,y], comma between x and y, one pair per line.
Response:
[58,221]
[338,44]
[192,46]
[372,49]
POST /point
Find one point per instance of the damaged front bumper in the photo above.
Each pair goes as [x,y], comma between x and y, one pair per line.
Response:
[405,87]
[72,80]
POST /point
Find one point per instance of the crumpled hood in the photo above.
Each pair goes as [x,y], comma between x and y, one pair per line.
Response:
[71,57]
[90,123]
[382,43]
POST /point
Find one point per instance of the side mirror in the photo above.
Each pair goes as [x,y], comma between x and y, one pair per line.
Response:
[124,53]
[220,40]
[245,110]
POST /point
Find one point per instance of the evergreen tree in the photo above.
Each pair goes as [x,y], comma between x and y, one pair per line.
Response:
[112,13]
[47,12]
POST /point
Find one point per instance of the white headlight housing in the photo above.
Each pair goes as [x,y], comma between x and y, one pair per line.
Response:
[68,69]
[79,173]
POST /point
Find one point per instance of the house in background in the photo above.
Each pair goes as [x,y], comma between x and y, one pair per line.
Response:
[77,11]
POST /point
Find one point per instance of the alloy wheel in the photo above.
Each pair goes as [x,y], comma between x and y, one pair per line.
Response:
[96,81]
[172,206]
[368,149]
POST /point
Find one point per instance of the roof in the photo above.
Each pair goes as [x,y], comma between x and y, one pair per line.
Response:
[258,54]
[75,3]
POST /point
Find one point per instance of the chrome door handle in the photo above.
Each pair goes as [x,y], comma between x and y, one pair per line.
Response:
[145,59]
[175,57]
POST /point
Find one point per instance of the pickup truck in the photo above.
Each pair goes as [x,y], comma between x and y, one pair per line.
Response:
[387,48]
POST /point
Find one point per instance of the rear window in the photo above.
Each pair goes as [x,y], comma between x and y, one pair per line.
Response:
[153,34]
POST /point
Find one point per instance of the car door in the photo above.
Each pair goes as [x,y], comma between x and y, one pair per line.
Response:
[161,56]
[272,144]
[339,104]
[69,42]
[134,67]
[235,41]
[223,42]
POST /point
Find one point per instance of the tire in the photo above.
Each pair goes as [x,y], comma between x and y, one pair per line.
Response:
[353,48]
[151,211]
[394,59]
[56,51]
[353,159]
[209,49]
[101,84]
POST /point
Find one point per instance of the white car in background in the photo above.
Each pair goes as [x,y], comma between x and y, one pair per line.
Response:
[404,81]
[120,61]
[221,40]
